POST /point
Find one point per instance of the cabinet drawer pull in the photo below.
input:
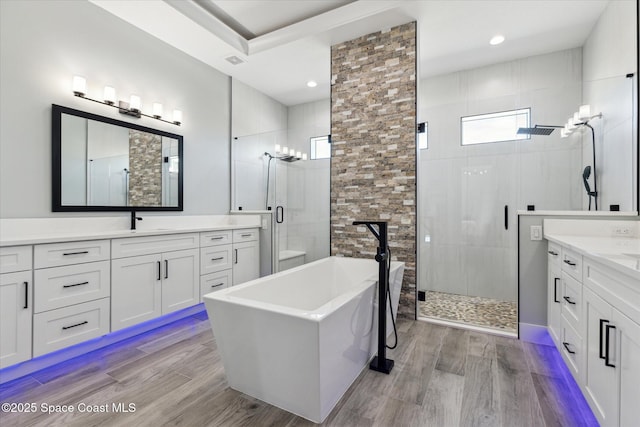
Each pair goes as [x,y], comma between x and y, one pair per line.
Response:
[217,259]
[572,264]
[158,270]
[215,286]
[26,295]
[74,326]
[246,235]
[75,284]
[553,253]
[166,268]
[217,238]
[555,289]
[566,346]
[567,299]
[236,256]
[75,253]
[600,338]
[607,328]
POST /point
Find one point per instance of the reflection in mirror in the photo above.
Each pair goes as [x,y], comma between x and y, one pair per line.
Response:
[105,164]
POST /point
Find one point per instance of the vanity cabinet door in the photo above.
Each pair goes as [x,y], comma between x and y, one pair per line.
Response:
[16,308]
[554,303]
[246,262]
[628,364]
[180,280]
[136,293]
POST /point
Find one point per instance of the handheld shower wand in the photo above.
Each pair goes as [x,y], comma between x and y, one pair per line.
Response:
[586,173]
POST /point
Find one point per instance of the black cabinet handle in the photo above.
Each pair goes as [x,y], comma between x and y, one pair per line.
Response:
[553,253]
[600,338]
[566,346]
[158,270]
[217,259]
[506,217]
[217,238]
[279,214]
[75,326]
[572,264]
[607,328]
[246,235]
[166,268]
[567,299]
[26,295]
[75,253]
[555,289]
[75,284]
[236,256]
[215,286]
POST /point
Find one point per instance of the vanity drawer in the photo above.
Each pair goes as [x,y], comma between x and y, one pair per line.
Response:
[571,349]
[215,258]
[554,255]
[73,284]
[56,329]
[215,238]
[58,254]
[572,263]
[214,282]
[147,245]
[245,235]
[15,258]
[571,307]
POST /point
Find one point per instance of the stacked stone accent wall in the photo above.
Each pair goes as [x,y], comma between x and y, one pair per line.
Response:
[145,166]
[373,135]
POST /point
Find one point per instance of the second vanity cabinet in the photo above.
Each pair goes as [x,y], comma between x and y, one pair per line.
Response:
[152,276]
[593,315]
[246,255]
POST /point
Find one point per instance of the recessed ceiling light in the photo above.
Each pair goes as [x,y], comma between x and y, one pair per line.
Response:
[311,83]
[497,39]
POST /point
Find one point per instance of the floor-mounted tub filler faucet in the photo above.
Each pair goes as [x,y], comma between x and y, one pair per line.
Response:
[133,219]
[380,362]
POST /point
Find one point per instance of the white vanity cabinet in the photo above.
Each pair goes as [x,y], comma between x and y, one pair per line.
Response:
[149,279]
[246,255]
[71,294]
[16,307]
[612,312]
[594,318]
[216,261]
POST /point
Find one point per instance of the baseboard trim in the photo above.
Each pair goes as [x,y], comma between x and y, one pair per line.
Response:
[537,334]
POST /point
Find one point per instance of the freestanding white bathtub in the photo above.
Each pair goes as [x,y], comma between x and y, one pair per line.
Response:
[298,339]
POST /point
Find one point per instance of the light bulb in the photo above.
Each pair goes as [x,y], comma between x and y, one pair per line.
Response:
[109,95]
[285,151]
[134,103]
[177,117]
[277,148]
[585,112]
[304,156]
[157,110]
[298,154]
[79,85]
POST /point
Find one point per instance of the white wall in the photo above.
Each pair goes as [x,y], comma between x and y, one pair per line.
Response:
[610,53]
[308,183]
[43,44]
[462,191]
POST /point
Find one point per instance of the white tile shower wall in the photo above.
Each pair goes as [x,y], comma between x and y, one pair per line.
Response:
[308,182]
[607,61]
[463,190]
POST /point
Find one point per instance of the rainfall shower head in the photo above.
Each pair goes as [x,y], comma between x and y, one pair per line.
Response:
[538,130]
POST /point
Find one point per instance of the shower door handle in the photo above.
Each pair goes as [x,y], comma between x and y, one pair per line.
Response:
[279,214]
[506,217]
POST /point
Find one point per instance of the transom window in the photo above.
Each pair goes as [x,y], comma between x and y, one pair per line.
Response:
[320,147]
[494,127]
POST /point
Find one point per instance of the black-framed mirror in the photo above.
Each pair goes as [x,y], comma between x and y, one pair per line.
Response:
[103,164]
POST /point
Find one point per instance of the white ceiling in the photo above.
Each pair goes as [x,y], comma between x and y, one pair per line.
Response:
[285,43]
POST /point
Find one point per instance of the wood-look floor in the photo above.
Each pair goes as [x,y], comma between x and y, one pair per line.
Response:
[442,377]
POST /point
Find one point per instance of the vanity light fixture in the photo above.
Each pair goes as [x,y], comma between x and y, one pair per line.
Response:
[288,154]
[132,108]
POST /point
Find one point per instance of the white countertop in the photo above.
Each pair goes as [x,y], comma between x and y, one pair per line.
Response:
[30,231]
[619,253]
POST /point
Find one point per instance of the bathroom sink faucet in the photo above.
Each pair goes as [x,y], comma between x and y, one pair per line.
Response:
[133,219]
